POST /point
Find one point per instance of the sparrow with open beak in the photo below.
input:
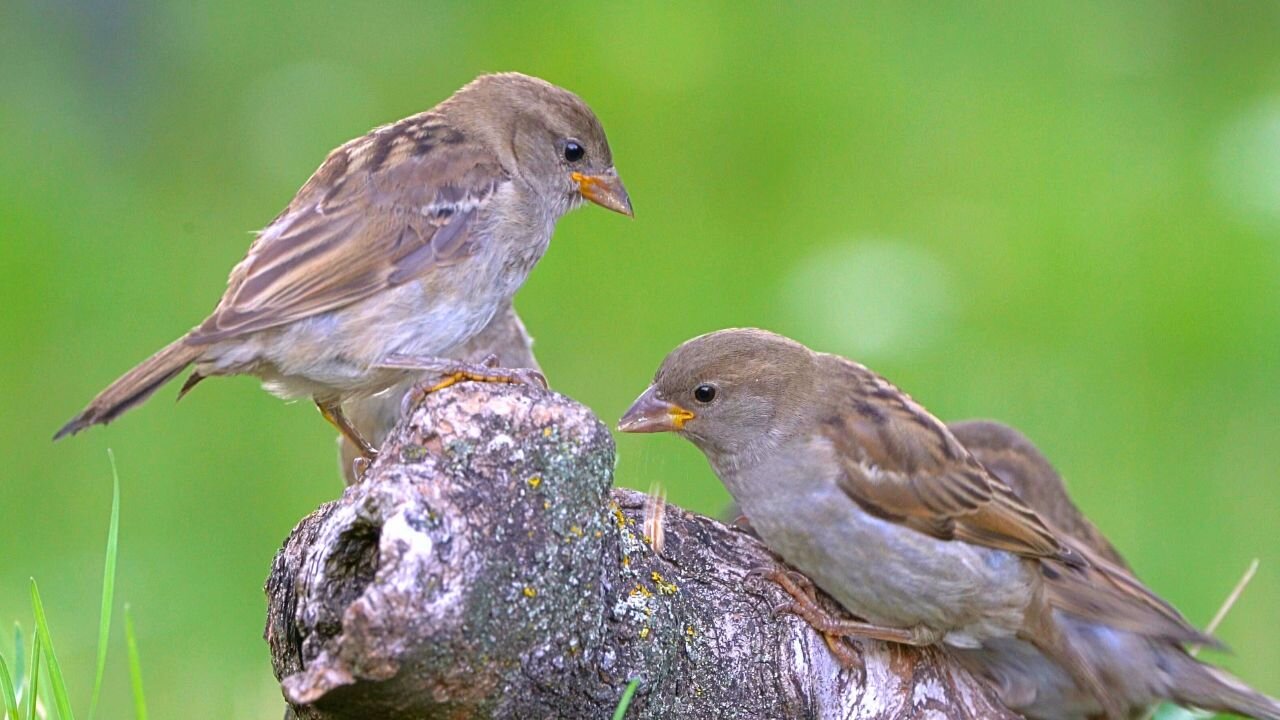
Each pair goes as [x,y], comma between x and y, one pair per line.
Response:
[856,485]
[400,248]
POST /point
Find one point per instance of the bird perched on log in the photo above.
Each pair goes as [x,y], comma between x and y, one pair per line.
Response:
[876,501]
[400,248]
[1139,668]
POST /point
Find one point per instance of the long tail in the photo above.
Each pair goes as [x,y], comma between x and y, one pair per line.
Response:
[134,386]
[1199,685]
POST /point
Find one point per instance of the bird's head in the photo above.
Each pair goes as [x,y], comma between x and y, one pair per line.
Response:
[546,136]
[730,392]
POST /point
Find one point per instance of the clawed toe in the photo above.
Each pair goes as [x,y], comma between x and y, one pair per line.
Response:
[804,605]
[763,572]
[804,584]
[847,654]
[530,377]
[786,608]
[487,372]
[743,525]
[414,397]
[804,596]
[360,467]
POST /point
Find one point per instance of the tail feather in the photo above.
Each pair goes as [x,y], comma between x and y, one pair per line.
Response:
[1204,686]
[134,386]
[1040,629]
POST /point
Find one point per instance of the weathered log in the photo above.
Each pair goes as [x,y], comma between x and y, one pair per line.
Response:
[487,568]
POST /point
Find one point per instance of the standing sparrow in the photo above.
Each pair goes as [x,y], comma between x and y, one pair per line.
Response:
[401,247]
[856,485]
[1139,666]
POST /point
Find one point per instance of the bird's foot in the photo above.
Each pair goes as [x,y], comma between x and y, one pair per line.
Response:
[360,467]
[513,376]
[742,524]
[451,372]
[805,605]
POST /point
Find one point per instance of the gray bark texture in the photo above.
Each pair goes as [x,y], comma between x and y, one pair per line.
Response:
[486,568]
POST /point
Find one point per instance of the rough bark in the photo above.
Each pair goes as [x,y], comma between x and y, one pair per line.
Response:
[487,568]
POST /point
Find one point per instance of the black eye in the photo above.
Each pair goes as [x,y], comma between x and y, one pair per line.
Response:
[704,393]
[573,152]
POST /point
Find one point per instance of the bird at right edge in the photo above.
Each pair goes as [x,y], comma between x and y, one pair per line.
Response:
[901,520]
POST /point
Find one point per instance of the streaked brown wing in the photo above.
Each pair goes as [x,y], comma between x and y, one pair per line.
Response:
[1017,462]
[1107,591]
[379,212]
[902,464]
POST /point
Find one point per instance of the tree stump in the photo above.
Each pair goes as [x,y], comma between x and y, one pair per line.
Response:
[486,568]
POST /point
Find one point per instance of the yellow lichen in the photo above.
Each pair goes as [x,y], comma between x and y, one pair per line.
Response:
[534,481]
[644,633]
[620,519]
[530,592]
[664,587]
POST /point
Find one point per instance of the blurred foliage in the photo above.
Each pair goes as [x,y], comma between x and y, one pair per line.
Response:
[1062,215]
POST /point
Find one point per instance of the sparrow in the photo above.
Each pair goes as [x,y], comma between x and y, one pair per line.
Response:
[1139,667]
[876,501]
[401,247]
[504,339]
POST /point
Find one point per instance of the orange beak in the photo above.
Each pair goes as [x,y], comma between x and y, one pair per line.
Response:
[649,414]
[605,190]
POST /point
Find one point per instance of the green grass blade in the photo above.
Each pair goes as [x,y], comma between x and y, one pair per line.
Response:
[6,690]
[45,705]
[33,686]
[108,586]
[135,667]
[20,674]
[625,702]
[55,670]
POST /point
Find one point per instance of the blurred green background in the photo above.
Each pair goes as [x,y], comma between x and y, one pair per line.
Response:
[1062,215]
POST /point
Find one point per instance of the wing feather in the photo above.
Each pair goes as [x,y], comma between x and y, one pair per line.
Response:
[901,463]
[1107,591]
[381,211]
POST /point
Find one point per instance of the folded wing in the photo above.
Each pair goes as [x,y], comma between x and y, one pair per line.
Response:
[381,211]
